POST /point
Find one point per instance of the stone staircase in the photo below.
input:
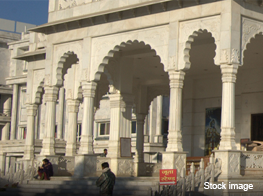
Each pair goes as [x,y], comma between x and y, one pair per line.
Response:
[66,186]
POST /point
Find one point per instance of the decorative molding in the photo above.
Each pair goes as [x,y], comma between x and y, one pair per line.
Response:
[224,56]
[234,163]
[250,28]
[235,56]
[180,164]
[249,160]
[125,167]
[66,4]
[104,48]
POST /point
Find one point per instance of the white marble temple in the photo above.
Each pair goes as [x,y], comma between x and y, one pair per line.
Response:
[143,69]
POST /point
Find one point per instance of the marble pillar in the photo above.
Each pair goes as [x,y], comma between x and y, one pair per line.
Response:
[158,138]
[73,109]
[175,114]
[61,113]
[86,143]
[120,126]
[139,156]
[146,130]
[14,112]
[30,134]
[152,125]
[174,157]
[228,107]
[139,138]
[120,121]
[7,112]
[2,163]
[48,144]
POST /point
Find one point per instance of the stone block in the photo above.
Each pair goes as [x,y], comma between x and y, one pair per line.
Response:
[230,163]
[122,167]
[175,160]
[85,165]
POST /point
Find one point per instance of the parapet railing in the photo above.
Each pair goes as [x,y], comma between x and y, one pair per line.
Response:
[195,180]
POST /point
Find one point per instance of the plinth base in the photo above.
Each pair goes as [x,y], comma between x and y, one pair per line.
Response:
[230,163]
[85,165]
[175,160]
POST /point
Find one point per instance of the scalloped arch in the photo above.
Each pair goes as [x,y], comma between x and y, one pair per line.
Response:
[110,55]
[75,91]
[39,92]
[188,46]
[247,43]
[63,59]
[189,30]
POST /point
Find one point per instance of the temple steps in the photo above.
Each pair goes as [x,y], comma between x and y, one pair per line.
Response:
[81,187]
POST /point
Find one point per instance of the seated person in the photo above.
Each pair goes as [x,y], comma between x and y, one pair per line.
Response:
[46,170]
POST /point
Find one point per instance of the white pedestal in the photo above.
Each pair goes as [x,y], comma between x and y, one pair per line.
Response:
[230,163]
[175,160]
[85,165]
[122,166]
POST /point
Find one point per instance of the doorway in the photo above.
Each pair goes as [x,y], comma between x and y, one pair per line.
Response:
[257,127]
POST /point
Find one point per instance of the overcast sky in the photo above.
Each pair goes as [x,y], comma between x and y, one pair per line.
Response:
[28,11]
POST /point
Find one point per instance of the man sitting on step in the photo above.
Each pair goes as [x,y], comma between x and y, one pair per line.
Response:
[106,181]
[46,170]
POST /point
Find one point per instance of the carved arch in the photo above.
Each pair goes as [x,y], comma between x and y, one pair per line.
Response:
[111,53]
[73,90]
[188,47]
[189,30]
[61,65]
[250,28]
[39,92]
[153,94]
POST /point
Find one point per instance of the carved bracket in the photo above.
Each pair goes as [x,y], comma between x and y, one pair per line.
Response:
[250,28]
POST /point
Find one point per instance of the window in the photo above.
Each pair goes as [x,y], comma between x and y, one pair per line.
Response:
[104,128]
[56,131]
[133,129]
[165,126]
[79,132]
[24,132]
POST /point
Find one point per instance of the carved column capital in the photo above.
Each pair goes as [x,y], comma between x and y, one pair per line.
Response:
[88,89]
[229,73]
[176,79]
[140,117]
[121,100]
[31,109]
[73,106]
[51,93]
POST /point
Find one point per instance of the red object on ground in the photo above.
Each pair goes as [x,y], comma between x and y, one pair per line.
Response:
[45,175]
[168,176]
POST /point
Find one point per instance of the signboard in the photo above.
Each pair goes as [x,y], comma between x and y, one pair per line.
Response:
[125,147]
[168,176]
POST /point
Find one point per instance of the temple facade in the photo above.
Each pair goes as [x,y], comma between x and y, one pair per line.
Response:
[152,81]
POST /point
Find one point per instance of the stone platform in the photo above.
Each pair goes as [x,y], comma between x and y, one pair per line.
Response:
[65,186]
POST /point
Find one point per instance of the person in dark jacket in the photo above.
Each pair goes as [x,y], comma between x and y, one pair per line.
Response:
[46,170]
[104,154]
[106,181]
